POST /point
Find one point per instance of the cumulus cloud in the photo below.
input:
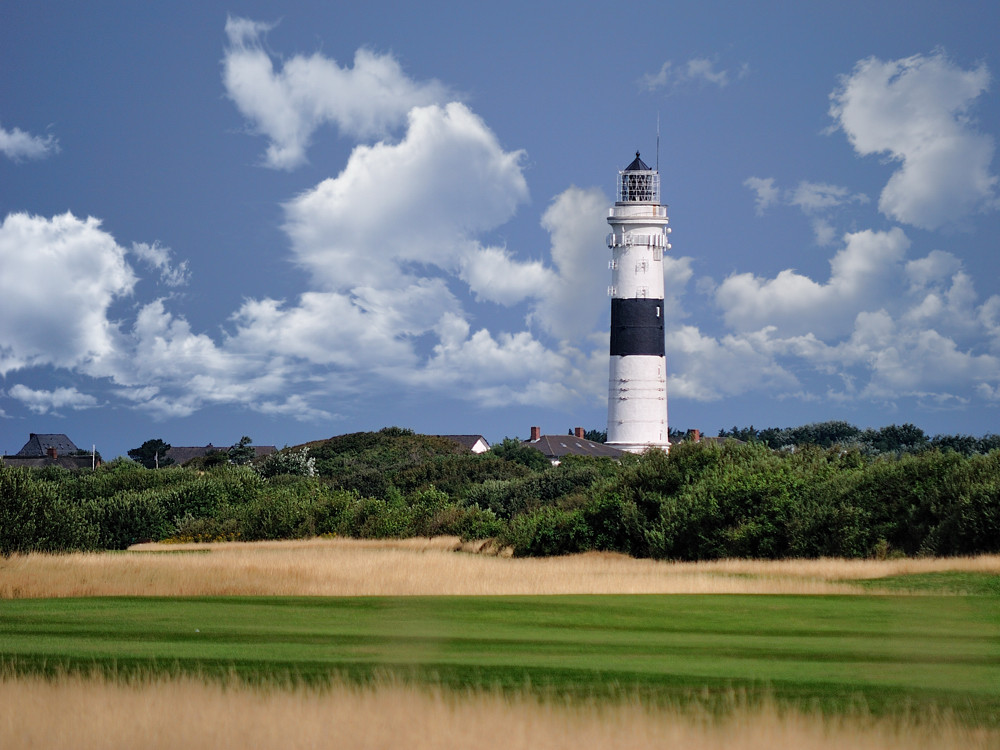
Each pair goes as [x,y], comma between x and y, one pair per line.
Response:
[881,328]
[917,111]
[575,295]
[382,305]
[697,70]
[797,304]
[707,368]
[17,145]
[422,200]
[42,401]
[61,276]
[287,105]
[401,268]
[159,259]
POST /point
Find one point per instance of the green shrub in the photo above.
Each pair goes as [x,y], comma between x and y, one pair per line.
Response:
[457,474]
[614,524]
[127,518]
[288,461]
[35,518]
[511,449]
[547,531]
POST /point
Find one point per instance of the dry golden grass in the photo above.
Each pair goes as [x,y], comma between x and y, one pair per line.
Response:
[345,567]
[191,714]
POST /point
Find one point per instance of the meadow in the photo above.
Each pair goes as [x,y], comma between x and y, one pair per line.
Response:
[371,644]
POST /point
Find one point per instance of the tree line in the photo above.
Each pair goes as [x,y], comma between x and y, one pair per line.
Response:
[729,498]
[898,439]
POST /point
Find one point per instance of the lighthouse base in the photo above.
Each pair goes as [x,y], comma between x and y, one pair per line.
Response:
[637,403]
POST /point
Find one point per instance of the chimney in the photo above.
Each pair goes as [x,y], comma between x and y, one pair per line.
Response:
[536,433]
[695,436]
[52,453]
[578,431]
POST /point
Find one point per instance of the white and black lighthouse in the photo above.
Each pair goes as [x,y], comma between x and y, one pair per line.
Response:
[637,388]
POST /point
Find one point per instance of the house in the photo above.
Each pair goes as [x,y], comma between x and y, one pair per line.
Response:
[475,443]
[695,436]
[557,447]
[182,454]
[52,449]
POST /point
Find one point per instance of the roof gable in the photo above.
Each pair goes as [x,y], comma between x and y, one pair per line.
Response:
[475,443]
[38,445]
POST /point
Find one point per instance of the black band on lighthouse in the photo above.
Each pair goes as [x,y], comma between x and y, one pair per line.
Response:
[637,327]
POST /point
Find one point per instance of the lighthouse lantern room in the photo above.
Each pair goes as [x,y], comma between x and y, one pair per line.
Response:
[637,388]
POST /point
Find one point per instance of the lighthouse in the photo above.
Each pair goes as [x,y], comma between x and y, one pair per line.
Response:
[637,387]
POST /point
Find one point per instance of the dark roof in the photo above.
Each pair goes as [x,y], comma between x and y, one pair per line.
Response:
[467,441]
[182,454]
[637,165]
[558,446]
[38,445]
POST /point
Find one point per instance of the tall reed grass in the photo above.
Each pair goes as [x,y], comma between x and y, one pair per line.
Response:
[188,713]
[345,567]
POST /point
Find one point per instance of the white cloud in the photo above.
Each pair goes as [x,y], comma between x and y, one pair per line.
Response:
[288,105]
[796,304]
[157,257]
[916,110]
[60,277]
[697,70]
[298,408]
[574,297]
[42,401]
[705,368]
[17,145]
[336,330]
[396,250]
[509,368]
[766,193]
[420,201]
[814,197]
[495,276]
[934,267]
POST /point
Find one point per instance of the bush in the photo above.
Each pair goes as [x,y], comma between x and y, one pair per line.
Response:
[457,474]
[35,518]
[287,461]
[127,518]
[511,449]
[615,525]
[547,531]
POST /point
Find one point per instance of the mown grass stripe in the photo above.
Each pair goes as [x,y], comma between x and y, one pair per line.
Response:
[884,650]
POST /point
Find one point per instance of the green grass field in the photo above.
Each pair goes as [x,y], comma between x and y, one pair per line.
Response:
[884,654]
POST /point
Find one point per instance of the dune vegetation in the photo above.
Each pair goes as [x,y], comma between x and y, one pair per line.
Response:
[434,566]
[73,711]
[701,502]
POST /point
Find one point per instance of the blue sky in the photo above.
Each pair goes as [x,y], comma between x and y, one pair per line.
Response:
[297,220]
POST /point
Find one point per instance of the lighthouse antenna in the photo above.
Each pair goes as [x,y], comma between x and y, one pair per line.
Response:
[657,140]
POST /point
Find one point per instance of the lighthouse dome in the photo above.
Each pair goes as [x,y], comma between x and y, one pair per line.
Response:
[637,165]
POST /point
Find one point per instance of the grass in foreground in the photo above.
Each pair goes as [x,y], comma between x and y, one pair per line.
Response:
[189,713]
[888,654]
[442,566]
